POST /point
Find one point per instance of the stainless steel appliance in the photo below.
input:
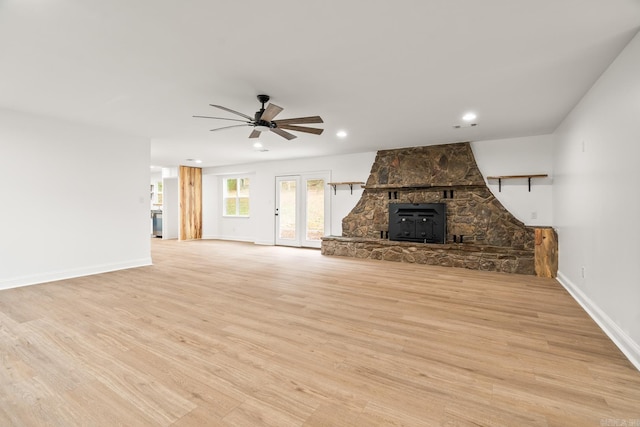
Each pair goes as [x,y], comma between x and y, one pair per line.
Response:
[156,217]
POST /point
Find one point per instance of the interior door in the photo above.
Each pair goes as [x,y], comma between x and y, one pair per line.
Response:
[302,209]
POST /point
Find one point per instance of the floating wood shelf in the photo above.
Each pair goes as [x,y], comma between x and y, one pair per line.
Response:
[528,177]
[349,183]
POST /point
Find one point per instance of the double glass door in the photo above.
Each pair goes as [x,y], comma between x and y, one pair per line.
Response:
[302,209]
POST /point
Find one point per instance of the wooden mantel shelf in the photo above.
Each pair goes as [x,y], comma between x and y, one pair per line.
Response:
[349,183]
[529,177]
[416,186]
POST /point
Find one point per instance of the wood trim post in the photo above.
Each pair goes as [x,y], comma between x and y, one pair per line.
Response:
[190,196]
[546,252]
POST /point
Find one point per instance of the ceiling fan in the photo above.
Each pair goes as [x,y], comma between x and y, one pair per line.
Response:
[263,121]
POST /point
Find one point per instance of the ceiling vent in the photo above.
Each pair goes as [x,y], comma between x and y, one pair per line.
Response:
[466,125]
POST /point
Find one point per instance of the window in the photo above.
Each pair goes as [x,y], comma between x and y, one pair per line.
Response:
[235,197]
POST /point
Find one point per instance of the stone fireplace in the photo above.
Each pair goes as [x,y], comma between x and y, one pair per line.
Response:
[480,233]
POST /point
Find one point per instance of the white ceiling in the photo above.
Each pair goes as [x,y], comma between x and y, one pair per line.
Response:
[392,74]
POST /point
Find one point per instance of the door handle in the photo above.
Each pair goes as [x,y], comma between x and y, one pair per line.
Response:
[277,211]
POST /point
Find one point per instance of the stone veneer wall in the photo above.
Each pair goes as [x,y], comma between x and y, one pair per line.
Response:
[494,239]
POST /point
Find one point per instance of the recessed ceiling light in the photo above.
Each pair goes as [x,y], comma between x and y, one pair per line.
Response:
[341,134]
[194,160]
[259,147]
[469,117]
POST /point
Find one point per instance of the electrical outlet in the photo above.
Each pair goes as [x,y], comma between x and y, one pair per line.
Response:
[582,272]
[534,215]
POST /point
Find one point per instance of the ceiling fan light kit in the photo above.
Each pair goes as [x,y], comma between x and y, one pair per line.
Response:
[263,121]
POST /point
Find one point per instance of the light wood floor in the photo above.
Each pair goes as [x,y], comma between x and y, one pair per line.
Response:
[235,334]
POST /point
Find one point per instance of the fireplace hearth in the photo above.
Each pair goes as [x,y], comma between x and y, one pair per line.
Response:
[418,222]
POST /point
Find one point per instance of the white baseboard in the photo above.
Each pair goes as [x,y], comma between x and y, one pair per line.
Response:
[229,238]
[264,242]
[628,346]
[73,273]
[236,239]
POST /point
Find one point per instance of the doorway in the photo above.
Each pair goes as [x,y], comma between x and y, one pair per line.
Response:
[302,209]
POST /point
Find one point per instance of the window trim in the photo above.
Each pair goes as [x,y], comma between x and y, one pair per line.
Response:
[237,197]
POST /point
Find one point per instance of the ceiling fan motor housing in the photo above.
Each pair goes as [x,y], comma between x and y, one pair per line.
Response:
[262,125]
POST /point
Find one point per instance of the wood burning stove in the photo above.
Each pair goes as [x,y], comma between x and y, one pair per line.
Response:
[418,222]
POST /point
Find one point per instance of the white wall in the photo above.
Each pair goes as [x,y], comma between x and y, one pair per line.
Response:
[211,206]
[520,156]
[214,225]
[74,200]
[260,227]
[597,201]
[514,156]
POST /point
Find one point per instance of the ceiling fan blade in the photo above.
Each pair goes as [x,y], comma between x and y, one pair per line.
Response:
[232,111]
[222,118]
[270,112]
[283,134]
[300,120]
[254,134]
[301,129]
[232,126]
